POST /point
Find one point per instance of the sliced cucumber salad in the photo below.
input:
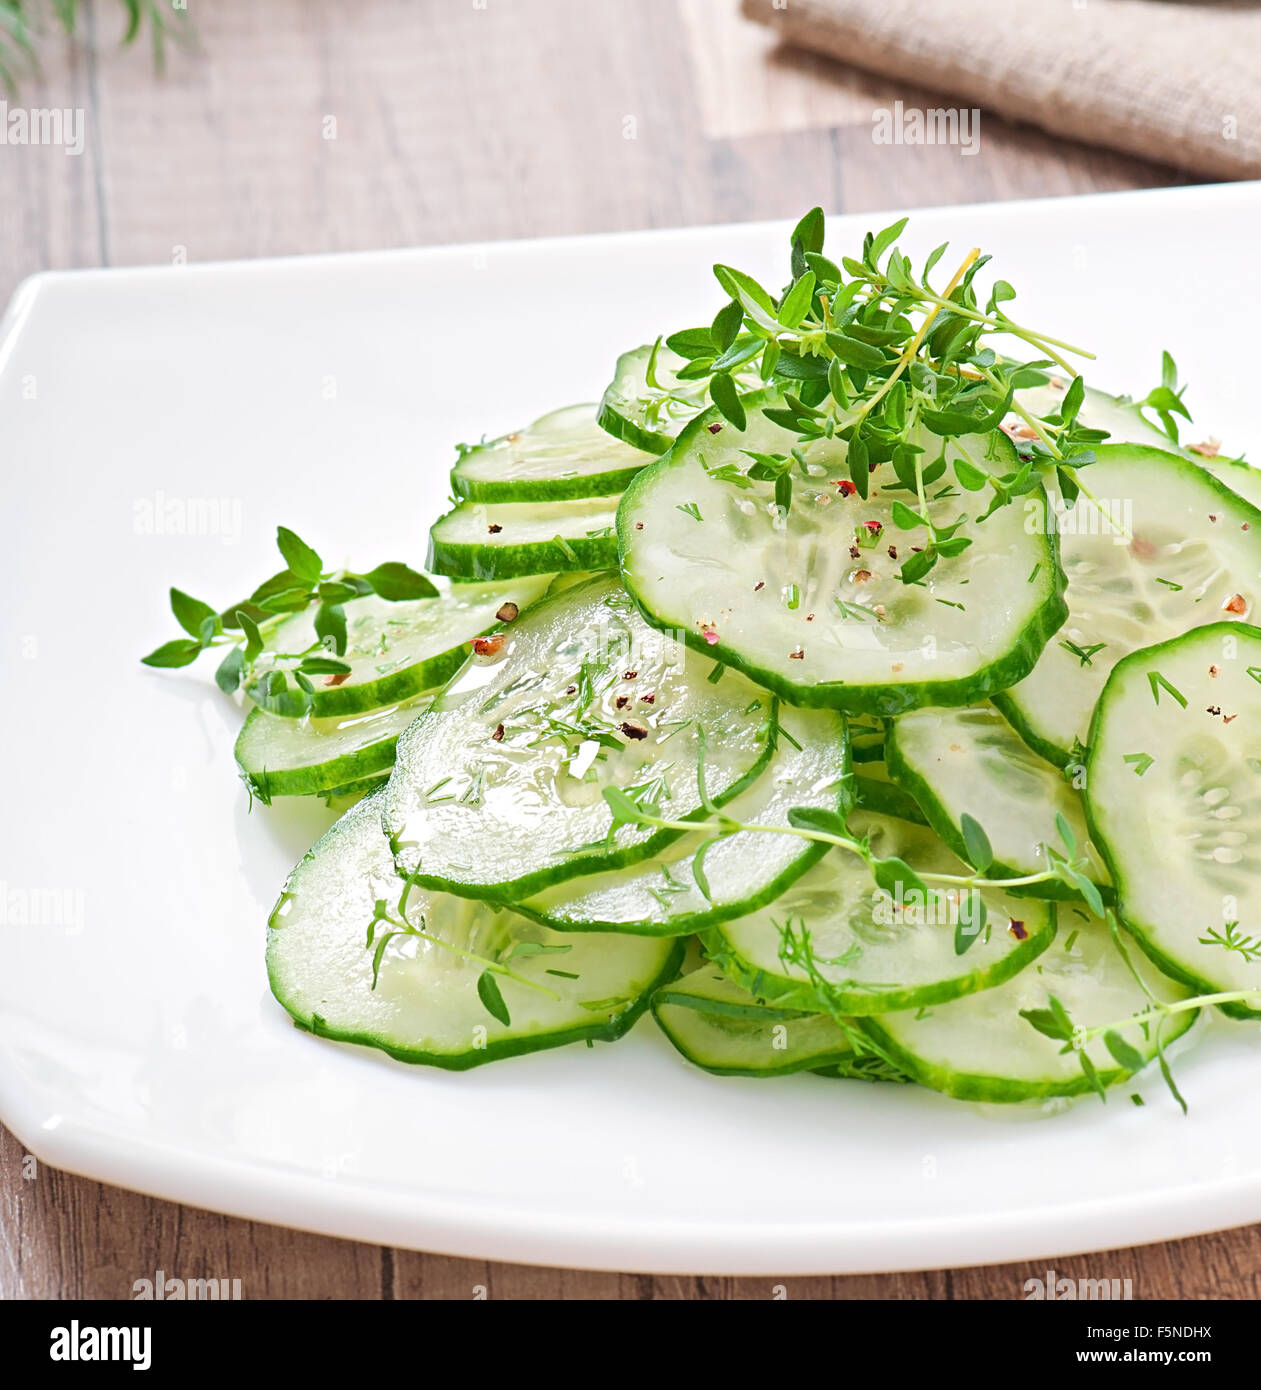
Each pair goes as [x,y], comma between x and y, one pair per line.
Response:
[1125,422]
[561,456]
[725,1030]
[699,879]
[835,942]
[1173,789]
[841,695]
[983,1047]
[958,763]
[1169,549]
[504,540]
[647,405]
[349,962]
[498,788]
[800,582]
[393,651]
[321,757]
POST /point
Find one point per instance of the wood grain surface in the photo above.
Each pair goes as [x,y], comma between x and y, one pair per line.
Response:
[313,125]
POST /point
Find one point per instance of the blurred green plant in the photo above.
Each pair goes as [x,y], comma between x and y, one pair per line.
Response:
[24,23]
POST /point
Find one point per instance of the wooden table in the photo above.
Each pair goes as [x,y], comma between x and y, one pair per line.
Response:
[312,125]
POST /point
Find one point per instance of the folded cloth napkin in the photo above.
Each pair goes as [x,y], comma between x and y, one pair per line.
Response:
[1175,83]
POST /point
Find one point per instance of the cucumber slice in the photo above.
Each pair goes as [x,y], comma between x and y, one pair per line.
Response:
[650,415]
[426,1005]
[1241,477]
[397,651]
[343,798]
[1174,797]
[498,789]
[320,757]
[875,790]
[742,872]
[561,456]
[957,762]
[787,603]
[514,538]
[870,957]
[979,1048]
[1195,551]
[1126,424]
[723,1029]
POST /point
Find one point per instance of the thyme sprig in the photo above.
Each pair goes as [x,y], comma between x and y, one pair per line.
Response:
[246,628]
[1055,1022]
[890,873]
[1166,400]
[400,924]
[871,352]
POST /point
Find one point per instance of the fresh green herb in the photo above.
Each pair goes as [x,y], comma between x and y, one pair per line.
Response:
[1232,939]
[828,827]
[397,922]
[1055,1023]
[489,993]
[726,396]
[246,627]
[1083,654]
[1166,399]
[970,921]
[1141,761]
[873,353]
[729,473]
[976,843]
[472,794]
[855,610]
[778,731]
[698,870]
[690,509]
[1159,683]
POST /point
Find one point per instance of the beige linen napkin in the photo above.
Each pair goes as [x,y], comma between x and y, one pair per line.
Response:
[1175,83]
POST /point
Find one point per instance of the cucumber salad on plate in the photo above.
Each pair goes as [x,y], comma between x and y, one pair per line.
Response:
[854,690]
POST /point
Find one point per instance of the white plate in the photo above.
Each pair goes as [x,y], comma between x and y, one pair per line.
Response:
[138,1042]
